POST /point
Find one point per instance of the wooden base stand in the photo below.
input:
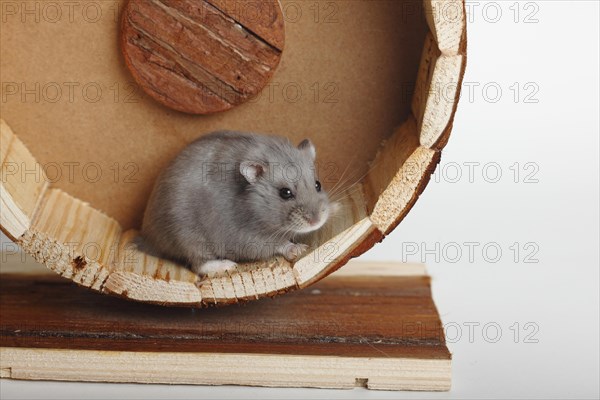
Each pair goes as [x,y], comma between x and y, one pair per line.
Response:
[370,324]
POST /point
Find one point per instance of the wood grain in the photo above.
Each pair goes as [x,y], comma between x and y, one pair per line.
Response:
[72,239]
[383,329]
[201,57]
[392,155]
[138,276]
[332,372]
[400,173]
[446,19]
[22,184]
[344,309]
[436,92]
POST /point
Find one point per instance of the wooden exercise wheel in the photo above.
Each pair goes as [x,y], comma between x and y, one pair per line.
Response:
[374,85]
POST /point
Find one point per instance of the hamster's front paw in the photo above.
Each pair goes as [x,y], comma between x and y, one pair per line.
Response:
[213,267]
[291,251]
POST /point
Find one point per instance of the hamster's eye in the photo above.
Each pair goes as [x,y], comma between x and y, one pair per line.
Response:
[318,186]
[286,193]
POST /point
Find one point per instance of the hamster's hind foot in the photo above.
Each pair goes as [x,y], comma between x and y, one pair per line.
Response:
[213,267]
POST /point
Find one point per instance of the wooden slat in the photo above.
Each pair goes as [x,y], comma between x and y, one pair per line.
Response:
[249,281]
[73,239]
[138,276]
[389,160]
[436,92]
[131,260]
[404,189]
[146,288]
[400,172]
[446,19]
[22,184]
[320,261]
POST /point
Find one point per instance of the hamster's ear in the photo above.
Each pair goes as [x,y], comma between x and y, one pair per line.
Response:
[252,170]
[307,146]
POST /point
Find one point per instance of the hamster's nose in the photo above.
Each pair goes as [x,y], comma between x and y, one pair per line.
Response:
[313,220]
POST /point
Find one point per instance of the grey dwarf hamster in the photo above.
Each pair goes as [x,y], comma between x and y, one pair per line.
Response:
[232,197]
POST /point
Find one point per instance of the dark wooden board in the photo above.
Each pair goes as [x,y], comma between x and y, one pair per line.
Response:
[343,316]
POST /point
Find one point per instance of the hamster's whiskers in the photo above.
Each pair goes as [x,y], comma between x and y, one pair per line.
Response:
[339,186]
[278,235]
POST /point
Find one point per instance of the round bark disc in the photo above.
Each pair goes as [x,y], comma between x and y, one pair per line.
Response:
[200,56]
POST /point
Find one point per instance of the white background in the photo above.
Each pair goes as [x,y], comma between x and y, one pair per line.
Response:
[552,283]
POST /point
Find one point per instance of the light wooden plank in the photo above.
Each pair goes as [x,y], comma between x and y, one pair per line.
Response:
[403,190]
[436,92]
[249,281]
[389,160]
[446,19]
[14,221]
[131,260]
[22,184]
[73,239]
[148,289]
[237,369]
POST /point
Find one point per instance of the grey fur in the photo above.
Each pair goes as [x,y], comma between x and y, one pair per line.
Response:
[219,199]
